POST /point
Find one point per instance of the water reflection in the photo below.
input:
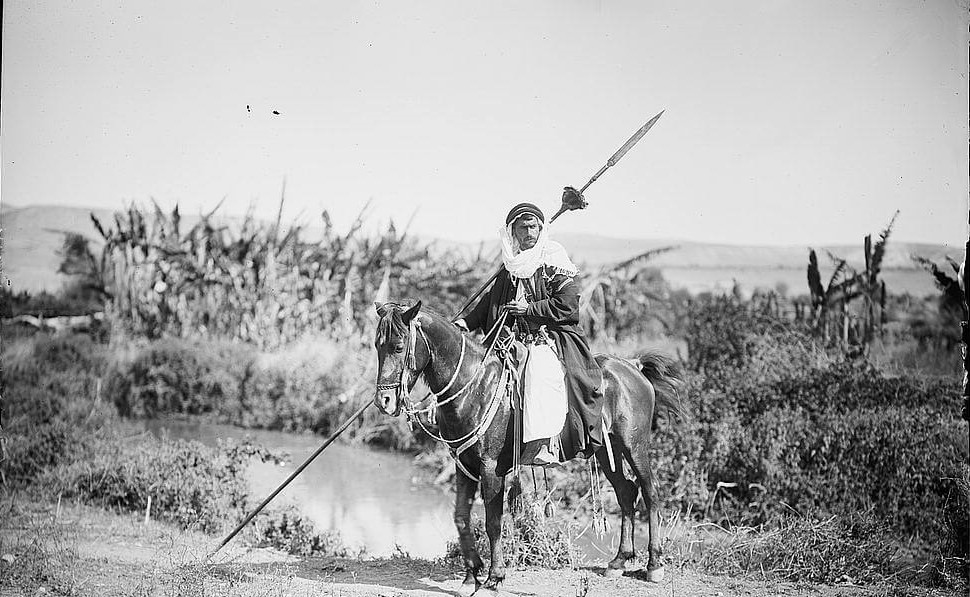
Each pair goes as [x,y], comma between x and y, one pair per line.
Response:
[368,496]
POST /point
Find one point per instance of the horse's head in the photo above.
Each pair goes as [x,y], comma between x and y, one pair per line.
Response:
[397,367]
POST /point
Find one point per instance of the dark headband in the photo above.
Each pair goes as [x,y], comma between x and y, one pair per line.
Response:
[523,209]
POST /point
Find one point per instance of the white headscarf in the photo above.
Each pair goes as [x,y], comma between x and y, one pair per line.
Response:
[522,264]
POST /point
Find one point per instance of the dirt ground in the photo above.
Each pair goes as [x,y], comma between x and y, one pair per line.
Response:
[78,550]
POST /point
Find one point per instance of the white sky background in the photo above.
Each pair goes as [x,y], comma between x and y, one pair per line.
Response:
[805,122]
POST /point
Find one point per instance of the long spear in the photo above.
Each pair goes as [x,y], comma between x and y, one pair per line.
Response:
[581,203]
[343,427]
[573,199]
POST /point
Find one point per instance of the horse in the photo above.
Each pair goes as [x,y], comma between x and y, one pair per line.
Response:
[474,418]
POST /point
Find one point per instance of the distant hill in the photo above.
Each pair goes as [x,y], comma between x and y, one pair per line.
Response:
[33,235]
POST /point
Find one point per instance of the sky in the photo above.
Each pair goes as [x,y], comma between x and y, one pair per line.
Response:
[785,123]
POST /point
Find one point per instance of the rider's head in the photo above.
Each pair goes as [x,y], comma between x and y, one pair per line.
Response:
[526,220]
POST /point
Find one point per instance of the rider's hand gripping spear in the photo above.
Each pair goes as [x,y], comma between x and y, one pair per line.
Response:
[573,199]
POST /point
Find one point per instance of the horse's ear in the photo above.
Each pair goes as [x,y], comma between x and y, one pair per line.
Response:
[411,313]
[381,309]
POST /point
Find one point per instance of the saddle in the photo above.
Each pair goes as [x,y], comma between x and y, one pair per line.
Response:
[517,350]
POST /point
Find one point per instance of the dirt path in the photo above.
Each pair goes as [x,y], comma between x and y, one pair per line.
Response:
[86,551]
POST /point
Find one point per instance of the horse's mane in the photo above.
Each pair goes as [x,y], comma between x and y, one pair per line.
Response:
[393,324]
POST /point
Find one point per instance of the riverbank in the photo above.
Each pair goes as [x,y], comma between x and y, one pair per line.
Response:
[82,550]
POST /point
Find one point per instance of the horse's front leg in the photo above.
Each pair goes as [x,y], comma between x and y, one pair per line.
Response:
[493,492]
[465,495]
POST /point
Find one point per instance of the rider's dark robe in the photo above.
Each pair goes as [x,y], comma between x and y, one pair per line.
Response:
[554,302]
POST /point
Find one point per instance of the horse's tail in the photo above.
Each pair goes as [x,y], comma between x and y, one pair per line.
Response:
[667,377]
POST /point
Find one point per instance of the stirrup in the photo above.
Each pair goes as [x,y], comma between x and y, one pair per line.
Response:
[544,457]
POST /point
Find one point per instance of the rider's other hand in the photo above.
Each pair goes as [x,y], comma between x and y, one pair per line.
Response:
[460,324]
[517,307]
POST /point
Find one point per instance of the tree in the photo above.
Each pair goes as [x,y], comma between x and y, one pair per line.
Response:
[951,305]
[619,295]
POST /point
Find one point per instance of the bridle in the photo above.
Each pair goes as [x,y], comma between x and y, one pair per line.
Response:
[402,386]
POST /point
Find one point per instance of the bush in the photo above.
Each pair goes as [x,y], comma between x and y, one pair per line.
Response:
[953,567]
[776,420]
[178,376]
[838,463]
[287,530]
[64,440]
[49,392]
[313,385]
[189,484]
[856,548]
[529,539]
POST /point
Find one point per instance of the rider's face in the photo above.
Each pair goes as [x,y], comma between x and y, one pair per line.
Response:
[525,231]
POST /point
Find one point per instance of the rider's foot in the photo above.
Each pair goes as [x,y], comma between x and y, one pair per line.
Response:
[544,457]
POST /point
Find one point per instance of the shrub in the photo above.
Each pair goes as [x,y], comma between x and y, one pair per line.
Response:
[848,462]
[529,539]
[855,548]
[288,530]
[953,566]
[178,376]
[189,484]
[64,440]
[49,396]
[313,385]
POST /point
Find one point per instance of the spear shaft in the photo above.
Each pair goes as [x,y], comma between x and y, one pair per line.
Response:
[615,158]
[609,164]
[299,470]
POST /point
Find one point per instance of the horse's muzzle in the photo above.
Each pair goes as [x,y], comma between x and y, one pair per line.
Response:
[386,400]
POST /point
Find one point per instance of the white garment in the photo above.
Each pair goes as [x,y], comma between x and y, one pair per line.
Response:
[544,404]
[522,264]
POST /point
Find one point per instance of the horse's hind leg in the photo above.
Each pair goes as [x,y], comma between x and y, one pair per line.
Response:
[639,458]
[465,495]
[626,495]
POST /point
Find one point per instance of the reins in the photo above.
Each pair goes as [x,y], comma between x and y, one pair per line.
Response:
[466,441]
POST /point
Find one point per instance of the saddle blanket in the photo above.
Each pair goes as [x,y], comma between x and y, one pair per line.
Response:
[544,400]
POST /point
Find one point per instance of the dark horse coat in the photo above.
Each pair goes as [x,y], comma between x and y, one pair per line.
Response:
[553,301]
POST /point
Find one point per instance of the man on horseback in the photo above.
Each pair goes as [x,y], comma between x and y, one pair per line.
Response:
[537,293]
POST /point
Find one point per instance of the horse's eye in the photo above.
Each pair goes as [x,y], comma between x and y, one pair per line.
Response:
[399,347]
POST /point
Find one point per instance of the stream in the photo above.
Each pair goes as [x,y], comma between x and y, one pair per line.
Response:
[374,498]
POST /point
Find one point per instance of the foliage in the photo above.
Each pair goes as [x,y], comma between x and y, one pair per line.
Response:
[43,550]
[263,283]
[188,484]
[843,462]
[69,302]
[312,385]
[856,548]
[778,421]
[529,539]
[288,530]
[834,320]
[953,566]
[622,298]
[175,376]
[79,263]
[63,439]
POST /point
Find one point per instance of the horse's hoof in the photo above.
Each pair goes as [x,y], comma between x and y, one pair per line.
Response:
[468,589]
[613,572]
[490,588]
[655,575]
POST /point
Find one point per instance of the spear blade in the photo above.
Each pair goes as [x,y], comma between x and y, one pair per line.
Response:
[634,139]
[622,150]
